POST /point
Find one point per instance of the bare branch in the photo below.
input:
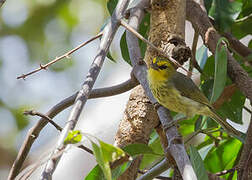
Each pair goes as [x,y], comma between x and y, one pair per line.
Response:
[156,170]
[1,3]
[225,172]
[35,130]
[66,55]
[49,120]
[108,35]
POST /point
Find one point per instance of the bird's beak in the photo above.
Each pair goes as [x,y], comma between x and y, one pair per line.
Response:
[154,66]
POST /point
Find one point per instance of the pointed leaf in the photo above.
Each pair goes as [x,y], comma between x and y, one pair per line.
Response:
[222,157]
[100,160]
[124,49]
[201,56]
[111,4]
[220,73]
[198,164]
[224,13]
[95,174]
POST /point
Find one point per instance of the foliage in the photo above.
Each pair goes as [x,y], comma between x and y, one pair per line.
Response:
[55,24]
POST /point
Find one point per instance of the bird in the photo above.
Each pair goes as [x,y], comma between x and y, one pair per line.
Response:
[177,92]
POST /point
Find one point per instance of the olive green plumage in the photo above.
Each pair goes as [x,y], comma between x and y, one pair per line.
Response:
[178,93]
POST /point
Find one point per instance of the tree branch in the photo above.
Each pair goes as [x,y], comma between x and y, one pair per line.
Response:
[82,96]
[66,55]
[235,44]
[156,170]
[1,3]
[175,148]
[246,156]
[199,19]
[48,119]
[35,130]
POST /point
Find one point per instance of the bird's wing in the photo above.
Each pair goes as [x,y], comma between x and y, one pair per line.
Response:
[187,88]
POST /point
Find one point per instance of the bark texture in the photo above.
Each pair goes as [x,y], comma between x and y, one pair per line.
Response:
[138,122]
[245,164]
[167,30]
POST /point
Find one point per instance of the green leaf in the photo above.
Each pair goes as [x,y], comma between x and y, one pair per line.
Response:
[110,56]
[187,126]
[104,154]
[144,30]
[207,87]
[208,5]
[150,159]
[220,70]
[95,174]
[111,5]
[232,109]
[137,149]
[120,170]
[199,123]
[242,25]
[222,157]
[73,137]
[242,28]
[155,144]
[201,56]
[110,152]
[224,13]
[205,143]
[198,164]
[101,29]
[124,49]
[101,161]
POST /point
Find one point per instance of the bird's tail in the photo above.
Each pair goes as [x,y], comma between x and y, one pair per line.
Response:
[224,124]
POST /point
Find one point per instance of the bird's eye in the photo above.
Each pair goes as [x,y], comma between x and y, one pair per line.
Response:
[162,67]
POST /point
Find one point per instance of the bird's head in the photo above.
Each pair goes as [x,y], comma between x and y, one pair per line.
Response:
[161,68]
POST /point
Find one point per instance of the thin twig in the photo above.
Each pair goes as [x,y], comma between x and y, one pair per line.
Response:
[1,3]
[85,149]
[192,135]
[193,62]
[66,55]
[108,35]
[225,172]
[138,35]
[27,172]
[243,19]
[65,103]
[247,109]
[49,120]
[156,170]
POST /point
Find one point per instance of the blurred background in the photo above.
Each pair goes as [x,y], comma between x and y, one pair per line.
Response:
[37,31]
